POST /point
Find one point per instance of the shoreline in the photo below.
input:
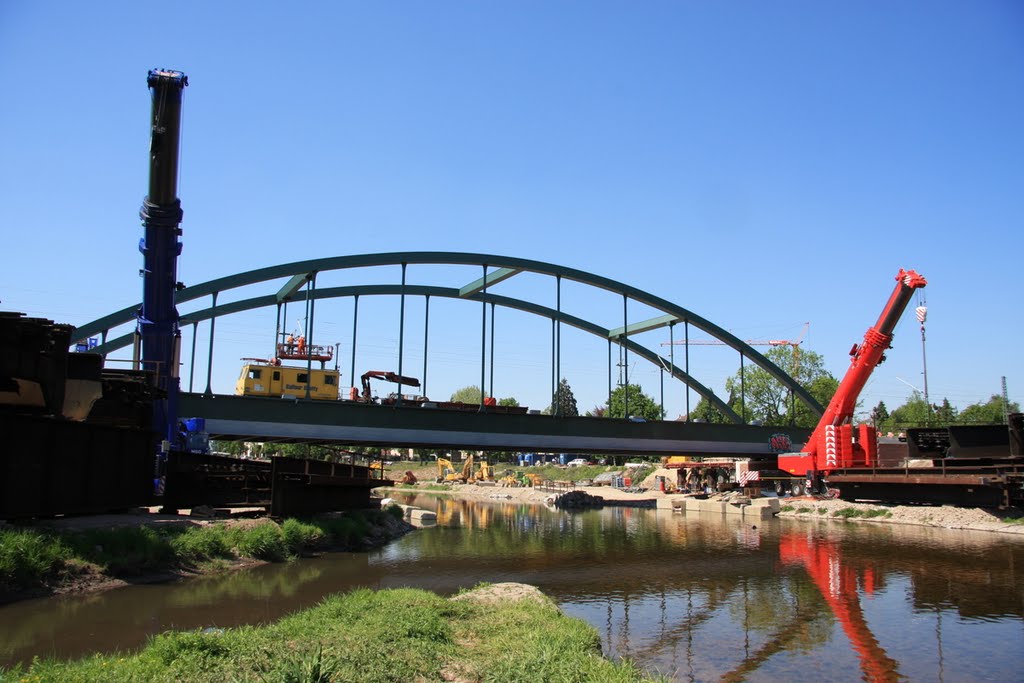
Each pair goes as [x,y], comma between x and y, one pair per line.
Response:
[76,577]
[806,508]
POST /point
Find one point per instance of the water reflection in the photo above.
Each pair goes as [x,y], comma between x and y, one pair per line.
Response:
[694,597]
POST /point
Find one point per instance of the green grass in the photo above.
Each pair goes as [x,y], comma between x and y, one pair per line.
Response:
[853,513]
[804,511]
[385,636]
[786,508]
[128,550]
[31,558]
[27,556]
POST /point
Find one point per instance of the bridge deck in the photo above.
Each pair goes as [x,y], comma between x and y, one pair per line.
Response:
[345,422]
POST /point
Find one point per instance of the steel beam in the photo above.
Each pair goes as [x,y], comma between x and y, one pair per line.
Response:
[287,293]
[261,419]
[492,279]
[645,326]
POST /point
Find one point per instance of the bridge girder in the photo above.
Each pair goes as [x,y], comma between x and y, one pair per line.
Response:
[301,271]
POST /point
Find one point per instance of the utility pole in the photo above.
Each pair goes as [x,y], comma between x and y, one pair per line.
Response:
[922,315]
[1006,403]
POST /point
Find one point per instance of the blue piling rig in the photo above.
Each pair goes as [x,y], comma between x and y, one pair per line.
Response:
[157,330]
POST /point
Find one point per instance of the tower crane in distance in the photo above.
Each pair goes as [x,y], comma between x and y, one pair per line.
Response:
[750,342]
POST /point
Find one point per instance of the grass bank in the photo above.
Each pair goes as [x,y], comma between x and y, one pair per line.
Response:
[34,560]
[396,635]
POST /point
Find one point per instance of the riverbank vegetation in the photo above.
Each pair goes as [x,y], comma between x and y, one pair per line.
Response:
[426,473]
[41,560]
[370,636]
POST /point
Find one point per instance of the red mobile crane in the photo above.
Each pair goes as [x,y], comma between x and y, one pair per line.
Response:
[833,444]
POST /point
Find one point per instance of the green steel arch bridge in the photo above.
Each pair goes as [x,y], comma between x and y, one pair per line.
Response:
[266,419]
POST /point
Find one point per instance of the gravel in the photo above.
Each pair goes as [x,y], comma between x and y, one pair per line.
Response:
[941,516]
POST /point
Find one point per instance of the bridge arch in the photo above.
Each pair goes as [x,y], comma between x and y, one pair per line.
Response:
[301,273]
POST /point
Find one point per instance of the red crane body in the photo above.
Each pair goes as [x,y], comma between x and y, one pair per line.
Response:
[832,445]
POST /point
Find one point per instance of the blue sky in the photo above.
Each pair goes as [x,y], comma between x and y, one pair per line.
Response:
[763,164]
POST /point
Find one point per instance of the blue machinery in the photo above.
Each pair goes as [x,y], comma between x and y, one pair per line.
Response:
[158,339]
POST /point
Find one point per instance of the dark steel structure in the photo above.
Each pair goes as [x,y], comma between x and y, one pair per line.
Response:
[980,465]
[76,438]
[285,487]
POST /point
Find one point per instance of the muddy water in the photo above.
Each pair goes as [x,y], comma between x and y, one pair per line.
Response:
[694,598]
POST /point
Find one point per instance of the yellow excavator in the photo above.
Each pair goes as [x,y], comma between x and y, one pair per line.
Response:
[485,473]
[446,471]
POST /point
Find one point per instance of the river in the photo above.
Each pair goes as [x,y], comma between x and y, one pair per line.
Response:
[696,598]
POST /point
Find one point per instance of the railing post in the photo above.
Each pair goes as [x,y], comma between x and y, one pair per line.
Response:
[426,338]
[401,335]
[209,358]
[355,321]
[483,339]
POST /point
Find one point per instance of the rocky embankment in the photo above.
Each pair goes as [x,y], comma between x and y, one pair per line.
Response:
[939,516]
[805,507]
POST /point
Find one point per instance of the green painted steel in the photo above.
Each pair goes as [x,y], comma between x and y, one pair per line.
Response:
[449,293]
[493,278]
[287,293]
[644,326]
[505,266]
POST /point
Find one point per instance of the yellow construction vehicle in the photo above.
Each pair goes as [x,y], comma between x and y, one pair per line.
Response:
[467,470]
[445,471]
[485,473]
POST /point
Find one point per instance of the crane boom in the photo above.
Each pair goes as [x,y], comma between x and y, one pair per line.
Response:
[864,358]
[387,376]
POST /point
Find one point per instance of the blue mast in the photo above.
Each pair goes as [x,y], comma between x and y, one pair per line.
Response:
[161,214]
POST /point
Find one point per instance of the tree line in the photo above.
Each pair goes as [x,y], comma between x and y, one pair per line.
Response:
[762,399]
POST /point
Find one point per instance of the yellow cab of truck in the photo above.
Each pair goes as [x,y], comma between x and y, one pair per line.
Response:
[264,379]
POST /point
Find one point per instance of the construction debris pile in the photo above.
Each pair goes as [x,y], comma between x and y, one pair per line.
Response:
[577,500]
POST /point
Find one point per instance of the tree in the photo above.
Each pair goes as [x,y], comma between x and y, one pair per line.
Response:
[470,394]
[564,403]
[766,400]
[990,412]
[945,414]
[508,401]
[598,411]
[914,413]
[704,411]
[639,403]
[235,448]
[879,415]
